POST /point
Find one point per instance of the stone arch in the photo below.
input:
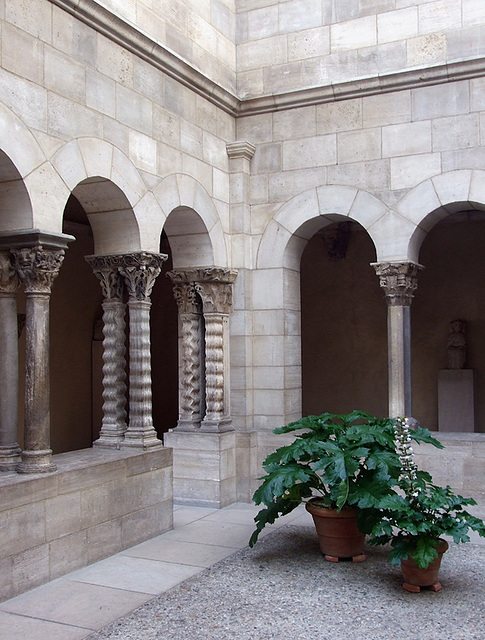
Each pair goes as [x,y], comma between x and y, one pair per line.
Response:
[123,214]
[276,283]
[192,223]
[435,199]
[32,193]
[287,233]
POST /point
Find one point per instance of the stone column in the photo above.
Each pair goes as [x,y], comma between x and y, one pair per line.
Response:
[399,280]
[9,378]
[140,271]
[214,286]
[191,399]
[113,425]
[37,267]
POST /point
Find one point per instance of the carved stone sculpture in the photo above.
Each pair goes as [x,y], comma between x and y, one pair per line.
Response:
[456,346]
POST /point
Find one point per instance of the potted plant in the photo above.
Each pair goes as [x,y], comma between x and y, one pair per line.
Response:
[415,519]
[337,464]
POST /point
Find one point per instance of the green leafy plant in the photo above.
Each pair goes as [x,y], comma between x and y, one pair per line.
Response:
[414,519]
[344,460]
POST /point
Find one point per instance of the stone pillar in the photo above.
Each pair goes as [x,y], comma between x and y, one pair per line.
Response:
[113,425]
[9,379]
[37,267]
[215,289]
[191,397]
[140,271]
[399,280]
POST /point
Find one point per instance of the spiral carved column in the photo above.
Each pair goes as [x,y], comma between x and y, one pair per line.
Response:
[113,425]
[399,281]
[140,271]
[37,267]
[191,405]
[9,380]
[214,285]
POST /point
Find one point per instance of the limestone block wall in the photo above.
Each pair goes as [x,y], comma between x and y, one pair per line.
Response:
[66,81]
[200,31]
[289,45]
[98,503]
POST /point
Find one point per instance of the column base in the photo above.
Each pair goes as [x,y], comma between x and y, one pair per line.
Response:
[142,439]
[36,462]
[9,457]
[110,440]
[216,426]
[188,425]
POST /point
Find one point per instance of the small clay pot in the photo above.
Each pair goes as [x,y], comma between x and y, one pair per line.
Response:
[415,578]
[338,534]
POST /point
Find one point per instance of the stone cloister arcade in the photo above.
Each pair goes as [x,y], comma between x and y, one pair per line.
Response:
[173,285]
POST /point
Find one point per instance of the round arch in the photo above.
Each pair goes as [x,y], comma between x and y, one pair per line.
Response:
[123,214]
[296,222]
[437,198]
[192,223]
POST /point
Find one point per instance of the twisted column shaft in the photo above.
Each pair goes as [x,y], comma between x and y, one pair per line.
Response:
[140,272]
[113,425]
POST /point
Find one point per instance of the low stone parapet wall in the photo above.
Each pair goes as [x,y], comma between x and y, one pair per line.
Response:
[98,503]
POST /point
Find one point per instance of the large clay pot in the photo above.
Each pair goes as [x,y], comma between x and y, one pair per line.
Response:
[416,578]
[338,534]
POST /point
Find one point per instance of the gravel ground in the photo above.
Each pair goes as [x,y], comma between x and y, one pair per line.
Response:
[284,589]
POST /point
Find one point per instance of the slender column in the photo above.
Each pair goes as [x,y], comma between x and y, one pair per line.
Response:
[9,378]
[113,425]
[37,267]
[191,405]
[399,280]
[215,289]
[140,271]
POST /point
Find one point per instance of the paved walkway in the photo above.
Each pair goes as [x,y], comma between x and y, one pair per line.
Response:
[84,601]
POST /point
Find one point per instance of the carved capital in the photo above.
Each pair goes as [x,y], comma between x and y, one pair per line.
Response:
[140,270]
[399,281]
[37,267]
[213,284]
[186,297]
[9,282]
[105,268]
[216,296]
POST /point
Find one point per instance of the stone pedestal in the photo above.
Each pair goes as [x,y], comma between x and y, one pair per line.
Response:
[456,400]
[204,467]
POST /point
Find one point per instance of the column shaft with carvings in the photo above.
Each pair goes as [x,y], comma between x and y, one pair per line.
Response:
[215,289]
[37,268]
[113,425]
[399,281]
[9,379]
[191,402]
[140,271]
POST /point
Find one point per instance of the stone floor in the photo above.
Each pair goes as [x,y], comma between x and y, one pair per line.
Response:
[76,605]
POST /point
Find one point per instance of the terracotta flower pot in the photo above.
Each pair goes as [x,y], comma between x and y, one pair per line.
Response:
[416,578]
[338,534]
